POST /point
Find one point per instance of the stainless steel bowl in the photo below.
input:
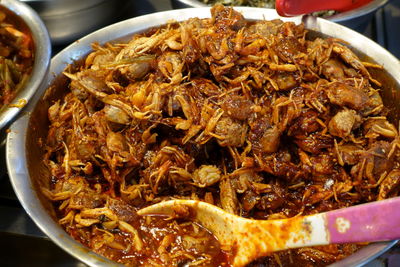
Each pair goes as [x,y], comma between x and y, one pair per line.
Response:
[353,18]
[41,63]
[28,173]
[68,20]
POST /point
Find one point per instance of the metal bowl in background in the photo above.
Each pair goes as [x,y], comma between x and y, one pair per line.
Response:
[358,17]
[353,19]
[28,172]
[68,20]
[42,55]
[187,3]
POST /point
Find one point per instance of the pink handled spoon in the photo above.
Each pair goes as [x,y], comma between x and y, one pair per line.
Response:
[289,8]
[251,239]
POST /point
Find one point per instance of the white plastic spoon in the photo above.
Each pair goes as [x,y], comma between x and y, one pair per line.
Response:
[250,239]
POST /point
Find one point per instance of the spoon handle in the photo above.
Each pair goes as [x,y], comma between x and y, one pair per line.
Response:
[300,7]
[376,221]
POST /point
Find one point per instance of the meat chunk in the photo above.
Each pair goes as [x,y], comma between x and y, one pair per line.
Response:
[373,163]
[270,201]
[93,82]
[85,149]
[225,18]
[349,153]
[343,123]
[333,70]
[381,163]
[305,124]
[350,58]
[345,95]
[170,65]
[206,87]
[116,142]
[287,47]
[270,140]
[206,175]
[86,199]
[285,81]
[78,90]
[116,115]
[139,68]
[314,143]
[99,58]
[249,200]
[322,164]
[374,105]
[265,27]
[237,107]
[280,165]
[316,193]
[232,132]
[264,136]
[53,111]
[246,180]
[124,211]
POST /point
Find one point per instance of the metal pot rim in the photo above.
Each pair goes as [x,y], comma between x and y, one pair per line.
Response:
[341,17]
[41,63]
[16,149]
[359,12]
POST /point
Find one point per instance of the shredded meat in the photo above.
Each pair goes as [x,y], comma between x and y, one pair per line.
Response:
[255,118]
[17,53]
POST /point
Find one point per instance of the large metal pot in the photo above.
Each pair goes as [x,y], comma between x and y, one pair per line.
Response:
[28,173]
[353,18]
[41,63]
[68,20]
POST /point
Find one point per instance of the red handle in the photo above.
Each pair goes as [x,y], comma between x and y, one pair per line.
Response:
[289,8]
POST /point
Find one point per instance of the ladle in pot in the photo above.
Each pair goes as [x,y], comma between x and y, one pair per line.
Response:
[250,239]
[287,8]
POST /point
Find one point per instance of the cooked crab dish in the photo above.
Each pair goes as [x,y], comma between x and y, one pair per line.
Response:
[254,117]
[16,55]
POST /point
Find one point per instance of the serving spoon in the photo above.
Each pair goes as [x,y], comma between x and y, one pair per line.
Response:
[250,239]
[289,8]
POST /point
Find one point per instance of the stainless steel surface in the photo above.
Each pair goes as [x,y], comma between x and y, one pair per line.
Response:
[61,7]
[359,12]
[41,63]
[68,20]
[27,171]
[352,18]
[187,3]
[355,18]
